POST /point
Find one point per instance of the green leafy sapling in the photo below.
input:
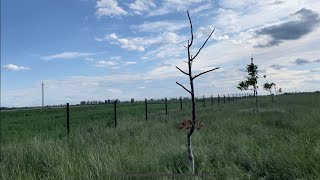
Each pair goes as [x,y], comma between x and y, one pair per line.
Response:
[251,81]
[269,86]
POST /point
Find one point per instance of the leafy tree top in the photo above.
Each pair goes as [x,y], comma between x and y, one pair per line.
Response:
[268,86]
[252,79]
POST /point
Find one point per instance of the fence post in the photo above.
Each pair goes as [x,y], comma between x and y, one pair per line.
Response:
[224,99]
[218,99]
[212,100]
[145,102]
[180,103]
[115,114]
[166,106]
[204,102]
[68,120]
[228,99]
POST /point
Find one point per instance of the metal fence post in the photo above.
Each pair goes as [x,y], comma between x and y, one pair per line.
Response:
[115,114]
[68,120]
[166,101]
[145,102]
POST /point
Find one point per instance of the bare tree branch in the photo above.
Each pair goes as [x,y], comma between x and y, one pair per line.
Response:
[184,87]
[191,30]
[203,45]
[182,71]
[205,72]
[189,57]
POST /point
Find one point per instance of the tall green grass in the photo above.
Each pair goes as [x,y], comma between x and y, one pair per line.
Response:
[281,141]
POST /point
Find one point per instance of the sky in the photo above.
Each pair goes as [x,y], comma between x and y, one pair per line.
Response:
[110,49]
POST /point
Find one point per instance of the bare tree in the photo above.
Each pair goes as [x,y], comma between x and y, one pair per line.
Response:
[191,91]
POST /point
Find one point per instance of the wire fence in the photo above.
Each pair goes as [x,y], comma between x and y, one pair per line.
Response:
[179,102]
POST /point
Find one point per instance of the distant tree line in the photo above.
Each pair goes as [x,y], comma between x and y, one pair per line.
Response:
[95,102]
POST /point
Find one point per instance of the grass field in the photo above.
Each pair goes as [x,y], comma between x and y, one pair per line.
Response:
[281,141]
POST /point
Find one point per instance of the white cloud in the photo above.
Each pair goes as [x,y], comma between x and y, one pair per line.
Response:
[171,37]
[89,59]
[139,6]
[150,7]
[115,91]
[205,32]
[117,58]
[235,4]
[115,62]
[160,26]
[126,43]
[109,8]
[237,16]
[140,43]
[67,55]
[105,63]
[130,62]
[170,6]
[13,67]
[115,67]
[167,51]
[200,8]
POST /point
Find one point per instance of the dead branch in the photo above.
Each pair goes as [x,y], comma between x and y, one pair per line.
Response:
[203,45]
[182,71]
[191,29]
[189,57]
[204,72]
[184,87]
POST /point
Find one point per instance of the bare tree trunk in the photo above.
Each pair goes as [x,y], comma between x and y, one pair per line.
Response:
[190,154]
[191,91]
[271,95]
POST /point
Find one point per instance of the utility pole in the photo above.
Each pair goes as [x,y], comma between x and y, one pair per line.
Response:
[42,95]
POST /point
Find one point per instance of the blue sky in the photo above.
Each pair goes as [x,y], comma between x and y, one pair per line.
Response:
[108,49]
